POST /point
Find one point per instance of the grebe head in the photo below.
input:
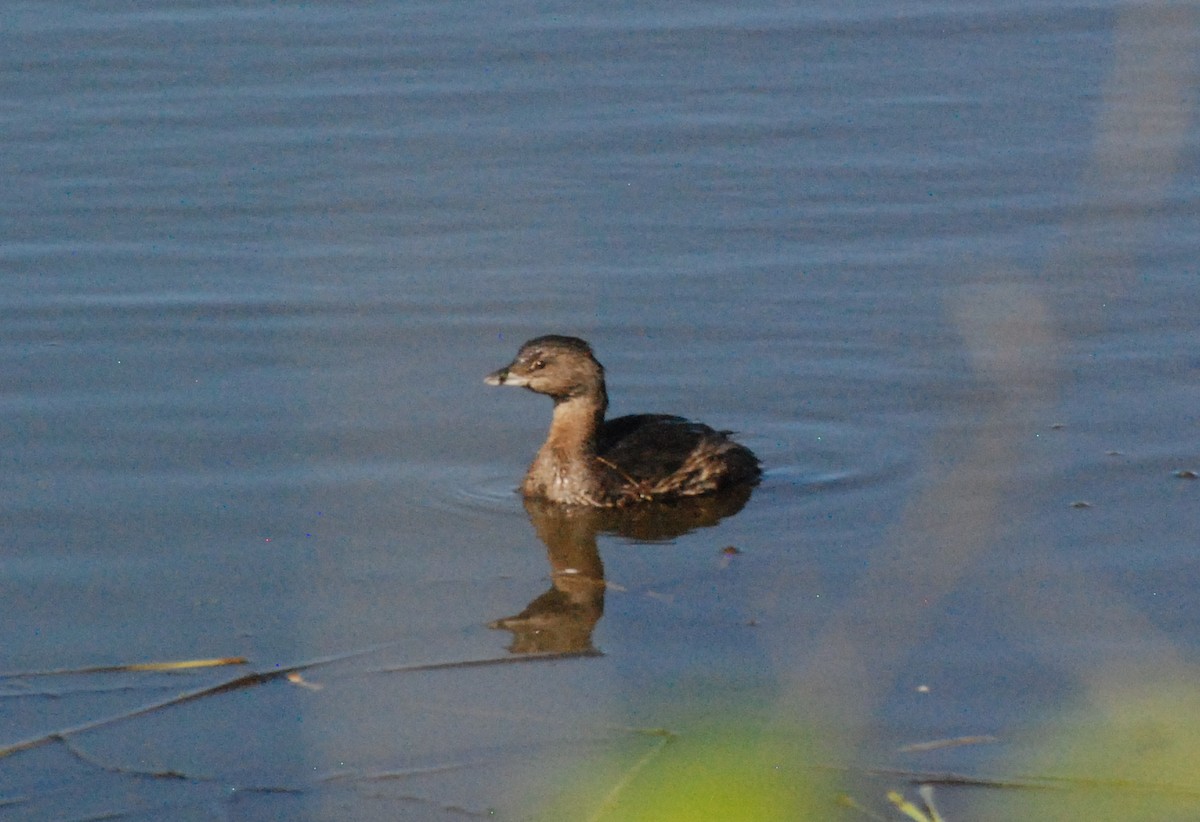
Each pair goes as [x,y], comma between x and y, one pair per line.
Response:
[560,367]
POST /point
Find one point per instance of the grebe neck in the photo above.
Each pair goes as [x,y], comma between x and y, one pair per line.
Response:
[575,424]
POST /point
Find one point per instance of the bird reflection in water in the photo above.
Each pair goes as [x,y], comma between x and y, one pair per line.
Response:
[563,618]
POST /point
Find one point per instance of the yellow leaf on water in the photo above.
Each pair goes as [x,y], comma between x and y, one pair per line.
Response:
[181,665]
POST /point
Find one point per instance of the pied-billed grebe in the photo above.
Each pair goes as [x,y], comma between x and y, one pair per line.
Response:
[587,460]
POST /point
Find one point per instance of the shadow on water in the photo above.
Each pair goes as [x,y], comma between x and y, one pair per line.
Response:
[563,618]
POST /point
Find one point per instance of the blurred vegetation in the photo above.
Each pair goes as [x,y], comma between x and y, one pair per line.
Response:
[720,772]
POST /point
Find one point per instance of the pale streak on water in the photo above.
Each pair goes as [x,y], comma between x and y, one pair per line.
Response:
[936,262]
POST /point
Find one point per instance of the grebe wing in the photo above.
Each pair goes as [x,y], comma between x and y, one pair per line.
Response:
[650,446]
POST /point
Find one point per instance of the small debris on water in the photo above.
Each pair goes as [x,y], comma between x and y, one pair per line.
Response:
[727,555]
[952,742]
[295,678]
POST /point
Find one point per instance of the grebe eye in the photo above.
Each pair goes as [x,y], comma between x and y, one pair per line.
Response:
[537,365]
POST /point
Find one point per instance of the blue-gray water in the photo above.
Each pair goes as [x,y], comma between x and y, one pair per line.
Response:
[936,263]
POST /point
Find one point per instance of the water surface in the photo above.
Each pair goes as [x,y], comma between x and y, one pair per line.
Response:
[935,263]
